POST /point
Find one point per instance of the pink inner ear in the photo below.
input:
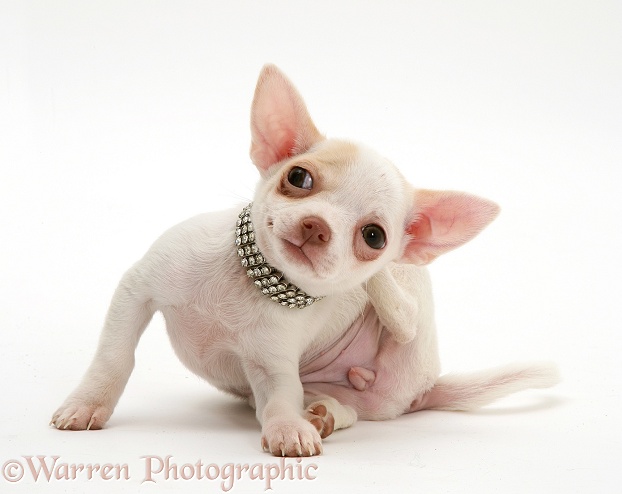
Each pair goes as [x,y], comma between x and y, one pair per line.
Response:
[280,123]
[420,229]
[275,143]
[443,221]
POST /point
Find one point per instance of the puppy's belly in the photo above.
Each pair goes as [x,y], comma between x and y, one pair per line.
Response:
[209,350]
[357,348]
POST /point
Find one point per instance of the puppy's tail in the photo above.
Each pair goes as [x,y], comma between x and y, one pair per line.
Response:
[474,390]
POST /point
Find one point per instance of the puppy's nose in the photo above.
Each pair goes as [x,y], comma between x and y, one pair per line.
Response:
[315,230]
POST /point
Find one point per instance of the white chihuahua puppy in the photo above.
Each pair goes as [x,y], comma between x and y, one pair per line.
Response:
[313,302]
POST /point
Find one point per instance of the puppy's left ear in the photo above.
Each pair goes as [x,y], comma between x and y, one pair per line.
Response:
[440,221]
[280,123]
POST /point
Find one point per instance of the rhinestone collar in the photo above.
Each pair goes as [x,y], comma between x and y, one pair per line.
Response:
[269,280]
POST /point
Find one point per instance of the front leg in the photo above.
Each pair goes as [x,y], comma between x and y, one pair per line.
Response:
[278,397]
[92,402]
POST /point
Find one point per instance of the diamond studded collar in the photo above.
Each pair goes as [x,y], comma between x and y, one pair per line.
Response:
[269,280]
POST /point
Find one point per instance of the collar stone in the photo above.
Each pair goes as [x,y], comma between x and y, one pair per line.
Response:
[266,278]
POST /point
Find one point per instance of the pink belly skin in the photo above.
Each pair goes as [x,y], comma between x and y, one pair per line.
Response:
[350,361]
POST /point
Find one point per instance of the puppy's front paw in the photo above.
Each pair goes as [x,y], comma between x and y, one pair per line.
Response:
[78,416]
[294,437]
[321,419]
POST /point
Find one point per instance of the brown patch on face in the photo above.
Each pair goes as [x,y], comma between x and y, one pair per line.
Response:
[323,164]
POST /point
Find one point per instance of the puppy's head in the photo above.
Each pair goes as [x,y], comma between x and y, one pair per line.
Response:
[331,213]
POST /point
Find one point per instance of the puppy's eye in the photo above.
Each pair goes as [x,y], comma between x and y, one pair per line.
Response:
[374,236]
[300,178]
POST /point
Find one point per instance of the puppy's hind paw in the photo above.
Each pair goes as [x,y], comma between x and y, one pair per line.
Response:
[321,419]
[79,417]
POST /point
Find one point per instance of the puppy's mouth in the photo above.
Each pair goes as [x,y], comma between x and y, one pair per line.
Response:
[292,248]
[296,254]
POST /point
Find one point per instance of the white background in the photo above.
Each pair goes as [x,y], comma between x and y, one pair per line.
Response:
[119,119]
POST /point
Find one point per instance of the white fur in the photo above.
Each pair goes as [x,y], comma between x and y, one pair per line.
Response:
[377,301]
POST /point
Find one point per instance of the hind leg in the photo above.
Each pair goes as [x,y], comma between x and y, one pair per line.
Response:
[330,406]
[378,392]
[325,412]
